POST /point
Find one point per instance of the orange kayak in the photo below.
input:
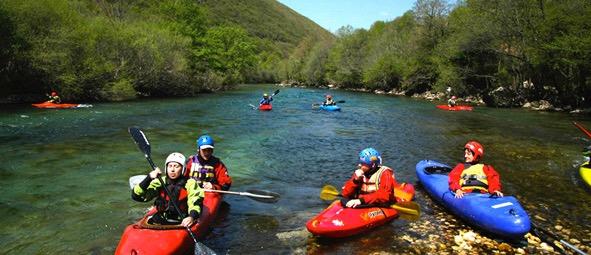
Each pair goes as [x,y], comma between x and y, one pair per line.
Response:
[265,107]
[50,105]
[455,108]
[141,239]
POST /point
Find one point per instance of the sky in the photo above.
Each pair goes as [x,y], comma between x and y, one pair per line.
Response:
[333,14]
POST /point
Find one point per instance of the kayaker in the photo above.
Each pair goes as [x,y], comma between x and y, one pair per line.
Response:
[187,195]
[329,101]
[371,184]
[266,99]
[54,98]
[473,176]
[206,169]
[452,101]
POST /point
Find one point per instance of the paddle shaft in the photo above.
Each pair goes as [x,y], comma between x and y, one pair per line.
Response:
[555,237]
[248,194]
[587,132]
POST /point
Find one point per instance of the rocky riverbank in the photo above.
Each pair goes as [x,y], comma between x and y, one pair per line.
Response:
[500,97]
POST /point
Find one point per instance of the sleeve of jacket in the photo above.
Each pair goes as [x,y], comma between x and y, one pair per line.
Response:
[385,192]
[141,193]
[493,178]
[195,198]
[223,180]
[454,177]
[349,190]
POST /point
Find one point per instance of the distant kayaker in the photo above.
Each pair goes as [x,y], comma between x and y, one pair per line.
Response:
[452,101]
[54,98]
[372,183]
[473,176]
[266,99]
[206,169]
[187,195]
[329,101]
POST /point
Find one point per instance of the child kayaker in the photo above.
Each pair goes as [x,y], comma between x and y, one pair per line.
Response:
[473,176]
[187,195]
[372,183]
[452,101]
[266,99]
[329,101]
[54,98]
[206,169]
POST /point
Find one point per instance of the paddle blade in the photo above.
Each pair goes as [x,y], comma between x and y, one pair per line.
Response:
[408,207]
[340,101]
[201,249]
[136,179]
[275,93]
[329,192]
[140,139]
[264,196]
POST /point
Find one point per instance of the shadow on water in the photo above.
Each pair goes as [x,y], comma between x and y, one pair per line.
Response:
[64,173]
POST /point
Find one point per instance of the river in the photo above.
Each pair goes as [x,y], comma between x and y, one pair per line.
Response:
[64,173]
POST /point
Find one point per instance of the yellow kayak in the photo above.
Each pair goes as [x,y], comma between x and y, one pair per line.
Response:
[585,171]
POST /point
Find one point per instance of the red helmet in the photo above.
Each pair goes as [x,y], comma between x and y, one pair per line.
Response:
[328,96]
[453,97]
[53,93]
[476,149]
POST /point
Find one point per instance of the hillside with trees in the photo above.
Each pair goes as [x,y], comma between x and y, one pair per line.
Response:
[117,50]
[508,53]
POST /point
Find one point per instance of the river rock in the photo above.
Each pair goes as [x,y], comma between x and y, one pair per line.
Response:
[505,247]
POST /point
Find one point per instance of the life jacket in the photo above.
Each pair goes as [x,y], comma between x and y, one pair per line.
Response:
[163,205]
[474,178]
[203,172]
[372,184]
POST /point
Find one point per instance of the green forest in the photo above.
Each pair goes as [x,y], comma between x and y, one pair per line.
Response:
[505,52]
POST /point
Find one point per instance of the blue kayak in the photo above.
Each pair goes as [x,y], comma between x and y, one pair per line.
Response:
[330,108]
[501,216]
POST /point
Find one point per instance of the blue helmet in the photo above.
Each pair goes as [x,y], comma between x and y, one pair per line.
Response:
[370,157]
[204,142]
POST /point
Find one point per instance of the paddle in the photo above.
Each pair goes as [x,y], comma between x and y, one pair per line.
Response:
[329,192]
[537,230]
[142,142]
[587,132]
[263,196]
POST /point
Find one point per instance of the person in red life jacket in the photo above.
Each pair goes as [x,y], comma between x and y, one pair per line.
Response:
[206,169]
[371,184]
[452,101]
[473,176]
[329,101]
[186,193]
[54,98]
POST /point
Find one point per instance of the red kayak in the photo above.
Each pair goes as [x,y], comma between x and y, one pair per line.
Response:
[142,238]
[337,221]
[265,107]
[455,108]
[50,105]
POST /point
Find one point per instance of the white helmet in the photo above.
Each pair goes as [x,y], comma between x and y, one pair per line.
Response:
[176,157]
